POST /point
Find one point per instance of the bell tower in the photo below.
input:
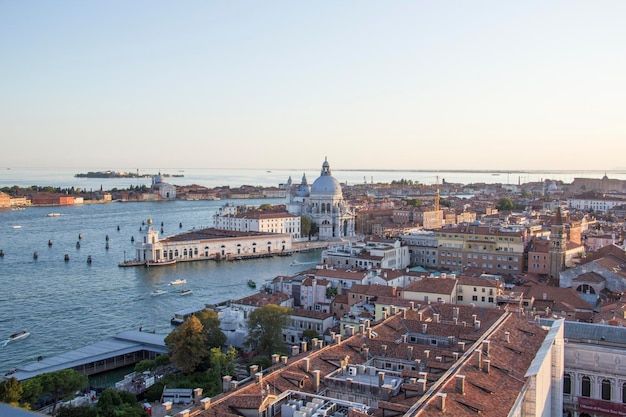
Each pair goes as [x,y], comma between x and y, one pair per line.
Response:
[558,245]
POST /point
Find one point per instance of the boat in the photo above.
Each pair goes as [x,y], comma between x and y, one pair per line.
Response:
[251,284]
[164,262]
[156,293]
[178,282]
[53,214]
[186,292]
[17,336]
[17,227]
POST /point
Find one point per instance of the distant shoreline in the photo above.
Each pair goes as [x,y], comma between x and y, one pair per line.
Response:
[116,174]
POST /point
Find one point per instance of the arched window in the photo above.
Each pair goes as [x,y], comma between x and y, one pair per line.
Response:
[567,384]
[624,393]
[585,390]
[176,253]
[606,390]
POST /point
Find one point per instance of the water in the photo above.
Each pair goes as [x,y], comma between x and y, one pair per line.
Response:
[66,305]
[64,178]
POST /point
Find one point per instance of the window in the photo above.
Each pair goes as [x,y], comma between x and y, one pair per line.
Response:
[482,299]
[491,299]
[459,298]
[474,298]
[606,390]
[586,387]
[624,393]
[567,384]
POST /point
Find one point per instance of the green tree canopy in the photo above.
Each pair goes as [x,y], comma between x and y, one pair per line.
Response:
[305,225]
[265,206]
[61,385]
[505,203]
[188,345]
[211,325]
[310,334]
[32,391]
[414,202]
[119,404]
[11,391]
[265,329]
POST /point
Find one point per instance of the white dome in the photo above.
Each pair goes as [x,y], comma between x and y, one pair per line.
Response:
[326,184]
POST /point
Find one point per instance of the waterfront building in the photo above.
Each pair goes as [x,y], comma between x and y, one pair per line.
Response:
[244,219]
[209,243]
[162,189]
[324,204]
[372,254]
[5,200]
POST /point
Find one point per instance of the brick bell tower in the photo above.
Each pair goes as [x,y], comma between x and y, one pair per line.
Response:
[558,245]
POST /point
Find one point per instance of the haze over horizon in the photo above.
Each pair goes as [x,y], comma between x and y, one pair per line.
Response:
[485,85]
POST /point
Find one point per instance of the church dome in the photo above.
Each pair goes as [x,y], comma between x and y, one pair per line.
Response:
[303,188]
[326,184]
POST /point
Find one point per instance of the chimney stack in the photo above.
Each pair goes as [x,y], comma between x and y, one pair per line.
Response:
[381,379]
[487,366]
[460,384]
[306,363]
[254,369]
[275,358]
[316,374]
[486,346]
[226,383]
[477,325]
[436,317]
[441,401]
[409,352]
[295,350]
[303,346]
[478,354]
[461,346]
[507,337]
[424,328]
[258,377]
[421,383]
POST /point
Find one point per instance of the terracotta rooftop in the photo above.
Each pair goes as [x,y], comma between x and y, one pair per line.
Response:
[432,286]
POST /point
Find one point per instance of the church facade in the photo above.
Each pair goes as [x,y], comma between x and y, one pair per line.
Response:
[323,203]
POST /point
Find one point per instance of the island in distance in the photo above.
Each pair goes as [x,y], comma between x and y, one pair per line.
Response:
[122,174]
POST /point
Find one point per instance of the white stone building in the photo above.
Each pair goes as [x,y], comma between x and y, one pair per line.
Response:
[163,189]
[324,204]
[234,218]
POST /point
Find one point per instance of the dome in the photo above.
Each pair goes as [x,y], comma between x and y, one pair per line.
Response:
[303,188]
[326,184]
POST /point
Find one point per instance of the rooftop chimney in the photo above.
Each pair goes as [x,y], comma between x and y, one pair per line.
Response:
[460,384]
[487,365]
[486,345]
[441,401]
[316,374]
[424,328]
[226,383]
[409,352]
[507,337]
[436,317]
[295,350]
[455,312]
[381,379]
[478,354]
[275,358]
[258,377]
[461,346]
[421,383]
[303,346]
[205,403]
[477,325]
[306,363]
[253,369]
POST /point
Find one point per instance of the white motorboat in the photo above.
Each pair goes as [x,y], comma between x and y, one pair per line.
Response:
[53,214]
[186,292]
[17,336]
[156,293]
[178,282]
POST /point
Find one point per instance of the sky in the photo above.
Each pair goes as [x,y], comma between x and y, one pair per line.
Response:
[534,84]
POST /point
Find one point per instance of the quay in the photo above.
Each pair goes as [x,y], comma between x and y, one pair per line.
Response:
[124,349]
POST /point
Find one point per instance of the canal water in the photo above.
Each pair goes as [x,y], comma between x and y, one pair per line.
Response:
[69,304]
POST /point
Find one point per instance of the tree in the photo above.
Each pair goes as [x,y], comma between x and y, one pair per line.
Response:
[61,385]
[414,202]
[505,203]
[119,404]
[32,391]
[211,324]
[265,206]
[145,365]
[310,334]
[187,344]
[305,225]
[80,411]
[265,329]
[11,391]
[445,203]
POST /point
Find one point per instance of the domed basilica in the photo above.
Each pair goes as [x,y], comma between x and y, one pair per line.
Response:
[323,203]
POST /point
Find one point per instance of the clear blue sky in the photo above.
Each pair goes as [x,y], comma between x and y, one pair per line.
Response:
[281,84]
